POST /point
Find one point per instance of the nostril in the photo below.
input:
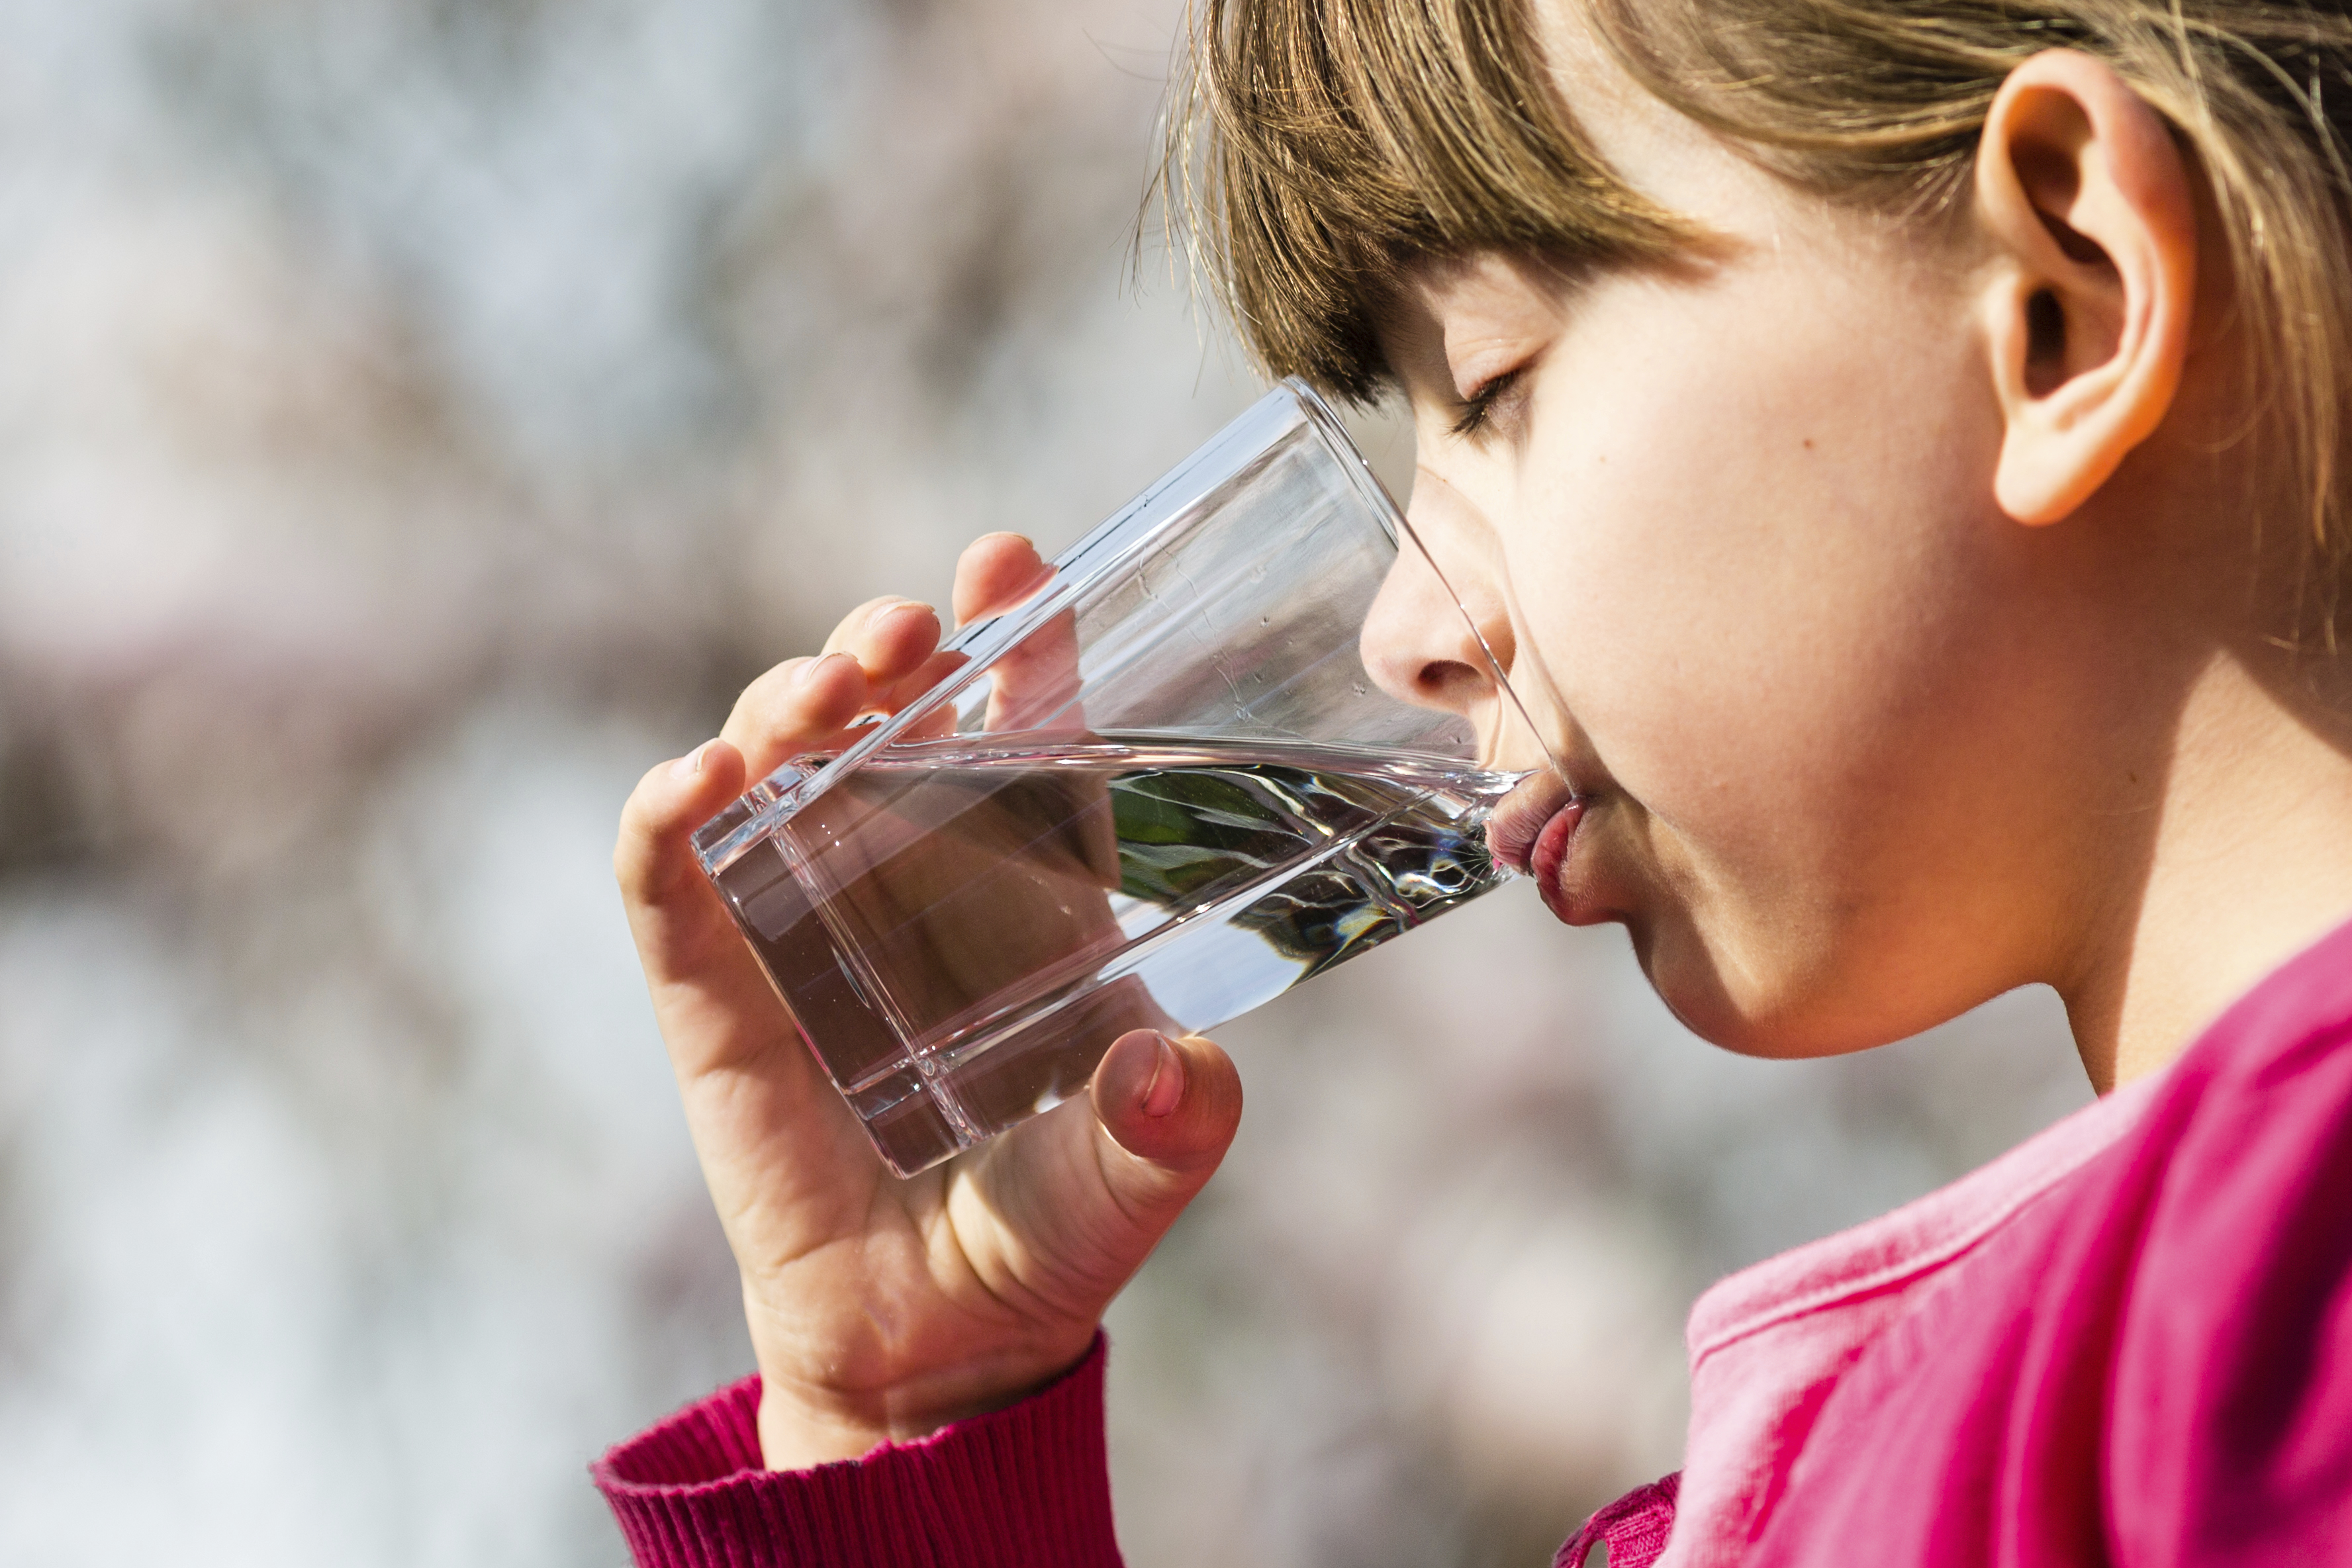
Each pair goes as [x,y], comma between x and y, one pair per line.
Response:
[1444,683]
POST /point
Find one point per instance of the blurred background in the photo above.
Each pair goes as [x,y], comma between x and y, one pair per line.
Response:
[419,416]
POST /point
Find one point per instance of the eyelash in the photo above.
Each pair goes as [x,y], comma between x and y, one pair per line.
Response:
[1481,402]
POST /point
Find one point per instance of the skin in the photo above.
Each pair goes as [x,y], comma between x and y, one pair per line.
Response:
[882,1309]
[1874,717]
[1877,718]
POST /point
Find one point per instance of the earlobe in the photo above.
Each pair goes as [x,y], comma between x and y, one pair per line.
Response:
[2087,201]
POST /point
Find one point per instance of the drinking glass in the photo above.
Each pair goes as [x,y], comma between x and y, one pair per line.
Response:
[1157,793]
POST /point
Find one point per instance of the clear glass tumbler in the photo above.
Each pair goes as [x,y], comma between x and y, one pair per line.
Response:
[1158,793]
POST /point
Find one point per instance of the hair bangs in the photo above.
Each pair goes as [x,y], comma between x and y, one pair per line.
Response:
[1318,149]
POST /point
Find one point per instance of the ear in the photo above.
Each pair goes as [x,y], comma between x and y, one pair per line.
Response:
[2086,199]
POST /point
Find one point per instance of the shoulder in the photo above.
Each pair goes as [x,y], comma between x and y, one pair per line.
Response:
[2150,1362]
[2230,1420]
[2243,1150]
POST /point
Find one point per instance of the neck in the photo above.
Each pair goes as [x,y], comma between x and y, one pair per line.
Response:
[2252,862]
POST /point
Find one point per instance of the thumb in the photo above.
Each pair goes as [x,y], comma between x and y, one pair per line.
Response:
[1168,1110]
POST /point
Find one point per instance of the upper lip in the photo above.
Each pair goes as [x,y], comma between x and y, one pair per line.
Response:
[1519,822]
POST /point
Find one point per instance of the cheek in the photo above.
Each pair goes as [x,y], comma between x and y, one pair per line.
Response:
[1748,513]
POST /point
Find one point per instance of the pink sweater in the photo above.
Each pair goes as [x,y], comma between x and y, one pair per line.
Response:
[2129,1342]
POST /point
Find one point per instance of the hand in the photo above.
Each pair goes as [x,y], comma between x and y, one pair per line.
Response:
[882,1309]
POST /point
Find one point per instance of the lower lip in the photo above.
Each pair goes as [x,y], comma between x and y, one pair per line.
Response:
[1550,853]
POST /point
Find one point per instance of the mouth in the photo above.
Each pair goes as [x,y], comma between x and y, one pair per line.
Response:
[1532,831]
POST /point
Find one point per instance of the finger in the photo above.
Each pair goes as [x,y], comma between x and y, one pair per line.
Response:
[1036,681]
[801,705]
[1087,1189]
[929,673]
[996,572]
[781,1152]
[1031,684]
[653,855]
[714,1005]
[887,637]
[1166,1109]
[708,990]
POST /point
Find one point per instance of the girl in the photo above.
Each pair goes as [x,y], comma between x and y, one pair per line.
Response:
[1897,448]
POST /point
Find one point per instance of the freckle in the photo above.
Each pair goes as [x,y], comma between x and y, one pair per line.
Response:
[1808,443]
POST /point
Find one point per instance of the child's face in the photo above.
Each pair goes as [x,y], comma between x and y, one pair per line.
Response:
[1735,523]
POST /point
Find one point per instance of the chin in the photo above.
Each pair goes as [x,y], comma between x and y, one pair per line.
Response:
[1752,1010]
[1686,980]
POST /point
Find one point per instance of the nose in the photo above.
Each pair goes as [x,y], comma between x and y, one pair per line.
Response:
[1423,641]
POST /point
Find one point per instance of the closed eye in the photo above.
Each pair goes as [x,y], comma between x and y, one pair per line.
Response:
[1481,402]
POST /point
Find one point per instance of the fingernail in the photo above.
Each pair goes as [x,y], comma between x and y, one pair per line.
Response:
[690,765]
[1166,1085]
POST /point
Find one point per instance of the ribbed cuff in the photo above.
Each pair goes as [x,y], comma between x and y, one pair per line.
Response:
[1022,1486]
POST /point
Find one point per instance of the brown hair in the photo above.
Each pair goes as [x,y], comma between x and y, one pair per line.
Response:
[1320,146]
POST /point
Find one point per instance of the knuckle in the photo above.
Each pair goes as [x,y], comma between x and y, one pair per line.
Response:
[767,687]
[627,867]
[768,705]
[846,629]
[634,852]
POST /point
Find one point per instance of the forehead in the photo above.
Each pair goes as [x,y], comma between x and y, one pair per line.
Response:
[1346,137]
[1632,133]
[1680,166]
[1727,203]
[1735,216]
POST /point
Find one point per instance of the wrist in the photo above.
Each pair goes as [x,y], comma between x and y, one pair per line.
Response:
[794,1436]
[801,1427]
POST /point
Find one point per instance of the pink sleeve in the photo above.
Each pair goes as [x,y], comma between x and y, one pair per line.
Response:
[1024,1485]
